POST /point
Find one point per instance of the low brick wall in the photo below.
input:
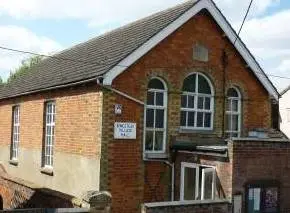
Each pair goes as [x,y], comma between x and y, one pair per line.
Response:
[219,206]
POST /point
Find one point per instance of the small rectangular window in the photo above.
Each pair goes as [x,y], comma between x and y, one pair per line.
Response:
[49,134]
[15,132]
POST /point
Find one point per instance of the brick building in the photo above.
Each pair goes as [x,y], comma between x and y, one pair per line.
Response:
[165,108]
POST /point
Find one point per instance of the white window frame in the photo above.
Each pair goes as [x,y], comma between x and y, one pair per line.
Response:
[191,166]
[155,107]
[49,125]
[15,132]
[195,109]
[213,186]
[197,179]
[234,113]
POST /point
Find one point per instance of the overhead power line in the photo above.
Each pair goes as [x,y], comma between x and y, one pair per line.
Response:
[101,63]
[246,15]
[54,57]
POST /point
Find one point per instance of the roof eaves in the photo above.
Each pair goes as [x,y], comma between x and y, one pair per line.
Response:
[61,86]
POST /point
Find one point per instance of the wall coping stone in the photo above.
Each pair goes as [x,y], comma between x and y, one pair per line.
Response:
[249,139]
[185,203]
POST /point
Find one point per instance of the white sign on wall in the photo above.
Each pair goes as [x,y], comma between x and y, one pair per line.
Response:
[124,130]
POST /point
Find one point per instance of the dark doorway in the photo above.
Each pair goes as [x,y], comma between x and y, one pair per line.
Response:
[263,198]
[1,203]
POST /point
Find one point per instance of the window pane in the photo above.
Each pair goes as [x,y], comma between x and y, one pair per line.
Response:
[190,101]
[254,200]
[207,103]
[150,98]
[208,181]
[159,120]
[228,104]
[200,103]
[159,99]
[155,84]
[207,120]
[184,101]
[149,118]
[189,84]
[191,121]
[232,122]
[158,141]
[149,141]
[189,183]
[203,85]
[235,123]
[199,119]
[235,105]
[232,93]
[183,118]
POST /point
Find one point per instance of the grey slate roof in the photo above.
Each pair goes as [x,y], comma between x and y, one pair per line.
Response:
[95,57]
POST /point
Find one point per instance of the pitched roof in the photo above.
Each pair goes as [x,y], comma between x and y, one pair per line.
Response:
[106,55]
[98,55]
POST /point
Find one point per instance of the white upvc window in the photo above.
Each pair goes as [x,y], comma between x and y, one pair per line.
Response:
[197,103]
[197,182]
[155,117]
[49,133]
[233,113]
[15,132]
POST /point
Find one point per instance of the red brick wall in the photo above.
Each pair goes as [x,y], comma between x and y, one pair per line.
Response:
[206,207]
[78,112]
[262,161]
[172,61]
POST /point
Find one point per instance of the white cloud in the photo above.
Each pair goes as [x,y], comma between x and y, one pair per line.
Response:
[21,38]
[101,12]
[268,38]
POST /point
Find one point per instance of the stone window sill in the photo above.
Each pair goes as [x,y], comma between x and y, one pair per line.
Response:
[13,162]
[47,170]
[199,131]
[156,156]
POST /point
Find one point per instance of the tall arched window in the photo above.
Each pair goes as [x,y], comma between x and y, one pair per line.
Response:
[197,103]
[155,116]
[233,113]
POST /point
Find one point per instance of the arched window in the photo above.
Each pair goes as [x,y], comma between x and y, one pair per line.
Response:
[233,113]
[155,116]
[197,103]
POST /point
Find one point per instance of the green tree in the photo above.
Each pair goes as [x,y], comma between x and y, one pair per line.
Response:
[25,67]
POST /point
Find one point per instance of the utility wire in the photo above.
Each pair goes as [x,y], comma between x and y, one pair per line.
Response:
[249,7]
[55,57]
[102,63]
